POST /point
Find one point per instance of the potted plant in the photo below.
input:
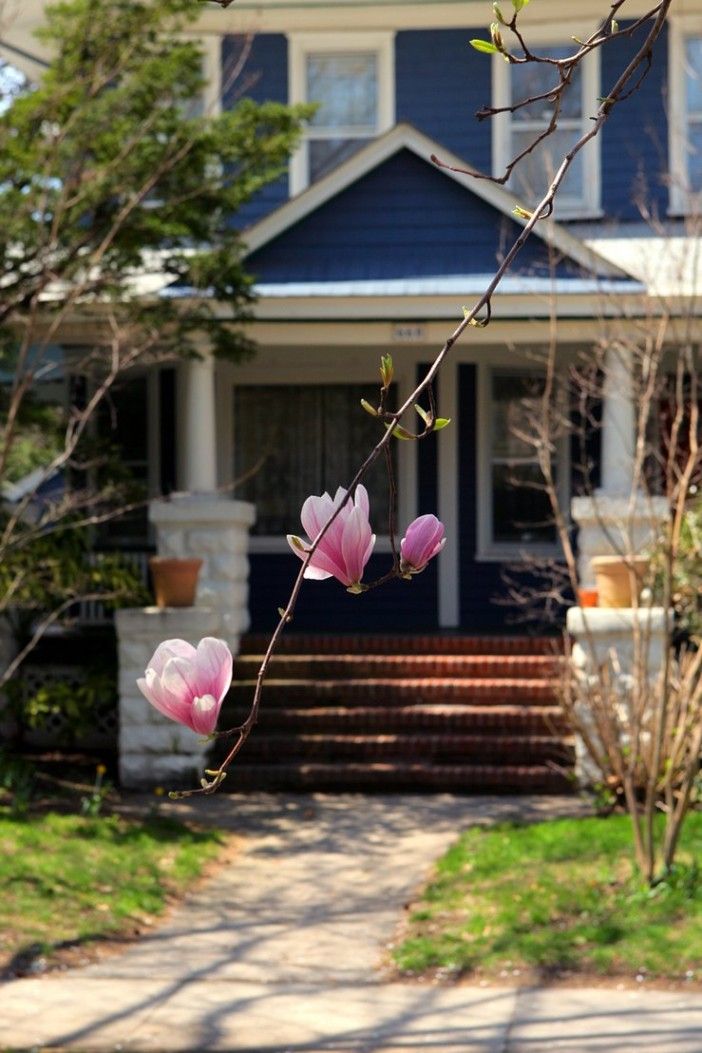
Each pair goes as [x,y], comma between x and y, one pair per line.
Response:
[619,579]
[174,580]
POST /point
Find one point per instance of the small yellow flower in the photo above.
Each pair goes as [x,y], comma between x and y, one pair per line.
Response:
[101,769]
[159,791]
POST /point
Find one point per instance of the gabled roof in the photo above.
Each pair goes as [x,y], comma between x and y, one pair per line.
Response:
[380,150]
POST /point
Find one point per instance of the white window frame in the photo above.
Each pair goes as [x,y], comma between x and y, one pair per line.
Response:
[303,44]
[680,200]
[589,206]
[487,549]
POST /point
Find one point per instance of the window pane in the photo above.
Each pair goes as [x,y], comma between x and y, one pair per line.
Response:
[346,88]
[533,78]
[326,154]
[521,512]
[532,176]
[309,439]
[694,155]
[515,399]
[693,74]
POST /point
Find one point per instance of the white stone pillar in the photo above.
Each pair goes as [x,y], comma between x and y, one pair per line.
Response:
[198,452]
[630,643]
[216,530]
[155,751]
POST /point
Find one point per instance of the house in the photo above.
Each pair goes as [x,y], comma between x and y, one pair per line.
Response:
[366,247]
[369,247]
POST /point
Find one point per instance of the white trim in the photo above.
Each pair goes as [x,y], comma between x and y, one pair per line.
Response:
[680,200]
[302,44]
[502,150]
[449,572]
[488,550]
[404,136]
[212,71]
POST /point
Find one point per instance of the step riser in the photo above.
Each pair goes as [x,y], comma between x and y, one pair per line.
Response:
[545,721]
[305,644]
[386,693]
[354,667]
[506,755]
[454,780]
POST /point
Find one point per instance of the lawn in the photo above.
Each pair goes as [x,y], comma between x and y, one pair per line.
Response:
[72,878]
[556,897]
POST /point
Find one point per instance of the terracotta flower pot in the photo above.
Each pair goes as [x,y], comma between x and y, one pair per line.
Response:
[619,580]
[174,580]
[587,597]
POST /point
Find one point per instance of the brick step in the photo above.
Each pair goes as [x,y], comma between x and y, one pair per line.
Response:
[395,778]
[398,691]
[461,749]
[311,644]
[356,666]
[439,719]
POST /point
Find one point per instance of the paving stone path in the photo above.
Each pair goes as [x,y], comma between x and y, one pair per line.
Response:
[283,950]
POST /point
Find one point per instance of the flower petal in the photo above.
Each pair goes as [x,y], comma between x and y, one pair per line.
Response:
[170,649]
[214,665]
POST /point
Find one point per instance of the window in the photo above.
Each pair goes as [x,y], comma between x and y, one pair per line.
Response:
[297,440]
[513,132]
[685,117]
[515,510]
[351,80]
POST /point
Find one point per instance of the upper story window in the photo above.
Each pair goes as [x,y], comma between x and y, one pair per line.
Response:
[350,78]
[685,117]
[513,132]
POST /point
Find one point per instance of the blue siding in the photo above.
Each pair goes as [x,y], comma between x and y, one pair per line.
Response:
[440,83]
[264,78]
[404,219]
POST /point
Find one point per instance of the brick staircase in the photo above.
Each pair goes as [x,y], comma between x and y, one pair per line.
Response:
[411,714]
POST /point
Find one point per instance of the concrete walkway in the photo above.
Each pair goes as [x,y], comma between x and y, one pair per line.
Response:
[282,952]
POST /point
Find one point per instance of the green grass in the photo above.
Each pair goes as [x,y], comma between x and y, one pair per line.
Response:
[554,897]
[73,878]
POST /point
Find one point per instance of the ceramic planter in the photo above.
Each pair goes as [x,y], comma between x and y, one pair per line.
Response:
[619,580]
[174,580]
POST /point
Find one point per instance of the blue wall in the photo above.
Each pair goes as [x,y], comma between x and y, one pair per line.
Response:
[264,78]
[403,219]
[440,83]
[635,138]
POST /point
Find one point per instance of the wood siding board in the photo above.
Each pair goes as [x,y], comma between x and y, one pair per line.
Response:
[441,100]
[635,138]
[403,219]
[264,78]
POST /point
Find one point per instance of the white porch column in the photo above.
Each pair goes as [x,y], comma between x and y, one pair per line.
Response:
[197,460]
[618,425]
[616,520]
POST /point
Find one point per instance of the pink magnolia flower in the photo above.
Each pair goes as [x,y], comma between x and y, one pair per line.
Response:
[424,540]
[346,547]
[188,685]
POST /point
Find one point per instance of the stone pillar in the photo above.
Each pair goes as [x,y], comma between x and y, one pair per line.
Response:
[630,642]
[216,530]
[155,751]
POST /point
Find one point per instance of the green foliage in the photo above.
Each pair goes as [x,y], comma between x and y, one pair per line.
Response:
[686,578]
[104,163]
[17,778]
[75,704]
[559,895]
[52,568]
